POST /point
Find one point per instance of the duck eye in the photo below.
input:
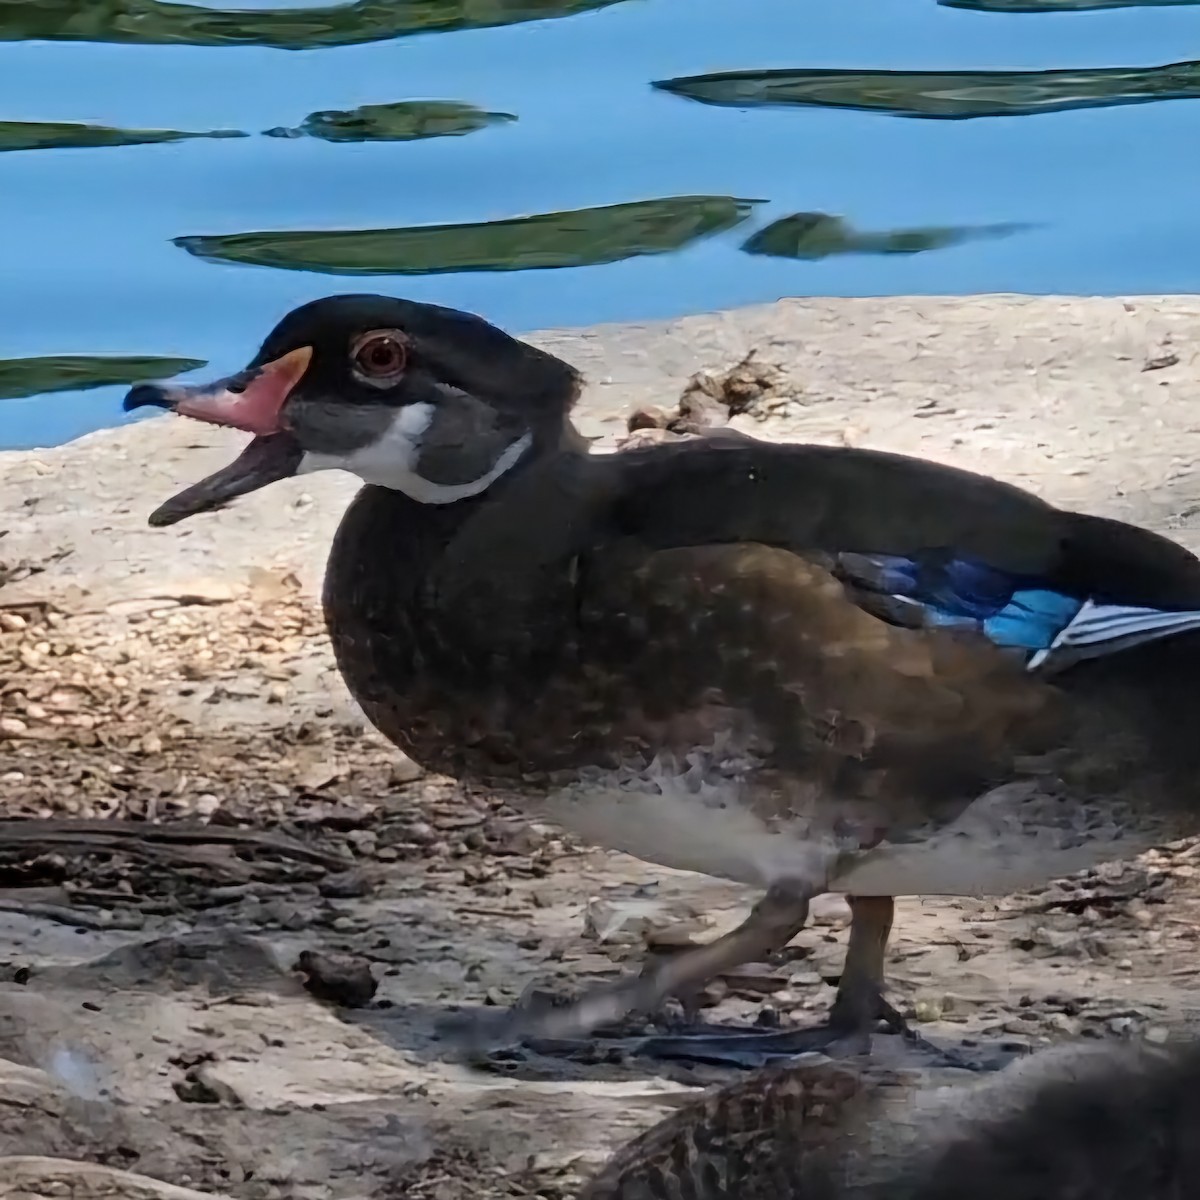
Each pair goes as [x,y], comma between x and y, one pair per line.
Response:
[379,357]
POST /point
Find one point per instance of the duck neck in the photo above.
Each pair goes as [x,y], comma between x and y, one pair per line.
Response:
[403,649]
[388,544]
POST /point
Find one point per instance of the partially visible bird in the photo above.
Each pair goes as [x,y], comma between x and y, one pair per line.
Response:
[802,668]
[1077,1122]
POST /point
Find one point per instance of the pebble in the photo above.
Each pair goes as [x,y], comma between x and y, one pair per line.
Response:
[929,1008]
[630,920]
[1061,1023]
[830,909]
[420,833]
[206,804]
[404,770]
[805,978]
[284,913]
[1021,1027]
[754,980]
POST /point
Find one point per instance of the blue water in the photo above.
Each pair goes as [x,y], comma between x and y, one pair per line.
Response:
[88,265]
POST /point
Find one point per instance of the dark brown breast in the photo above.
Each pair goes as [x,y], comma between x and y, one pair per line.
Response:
[631,652]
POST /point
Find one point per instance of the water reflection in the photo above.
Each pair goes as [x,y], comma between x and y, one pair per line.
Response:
[582,237]
[955,94]
[151,22]
[1037,6]
[813,235]
[403,121]
[65,135]
[20,377]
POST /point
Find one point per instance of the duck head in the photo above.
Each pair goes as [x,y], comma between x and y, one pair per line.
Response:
[424,400]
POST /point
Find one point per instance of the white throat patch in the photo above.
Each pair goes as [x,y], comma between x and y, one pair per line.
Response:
[391,460]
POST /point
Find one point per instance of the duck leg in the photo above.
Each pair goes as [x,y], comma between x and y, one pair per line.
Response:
[859,1002]
[858,1006]
[772,923]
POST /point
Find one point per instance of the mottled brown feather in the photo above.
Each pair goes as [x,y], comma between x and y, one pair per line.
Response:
[1072,1123]
[765,1138]
[866,710]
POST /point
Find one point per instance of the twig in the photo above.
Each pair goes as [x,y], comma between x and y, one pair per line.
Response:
[84,832]
[74,917]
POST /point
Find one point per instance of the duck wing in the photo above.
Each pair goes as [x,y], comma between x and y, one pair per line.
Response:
[692,581]
[922,544]
[914,544]
[884,626]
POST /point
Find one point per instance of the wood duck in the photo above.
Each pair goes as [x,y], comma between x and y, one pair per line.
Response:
[802,668]
[1085,1121]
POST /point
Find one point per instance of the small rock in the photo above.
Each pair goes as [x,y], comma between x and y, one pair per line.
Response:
[1158,361]
[341,979]
[1020,1027]
[200,1086]
[1067,943]
[206,804]
[1061,1023]
[754,980]
[649,417]
[364,841]
[284,914]
[830,909]
[403,770]
[635,921]
[807,978]
[928,1008]
[319,776]
[345,885]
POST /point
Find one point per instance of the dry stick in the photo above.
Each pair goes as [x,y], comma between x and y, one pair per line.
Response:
[75,917]
[65,832]
[179,857]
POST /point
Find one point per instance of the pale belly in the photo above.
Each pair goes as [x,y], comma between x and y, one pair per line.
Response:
[1008,840]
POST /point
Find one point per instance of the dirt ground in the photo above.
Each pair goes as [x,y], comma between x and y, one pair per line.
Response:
[211,805]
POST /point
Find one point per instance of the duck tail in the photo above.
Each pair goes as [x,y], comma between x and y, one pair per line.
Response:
[1099,629]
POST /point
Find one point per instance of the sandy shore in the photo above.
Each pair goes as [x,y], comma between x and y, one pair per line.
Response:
[183,674]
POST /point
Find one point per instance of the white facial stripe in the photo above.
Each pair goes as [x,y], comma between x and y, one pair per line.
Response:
[389,461]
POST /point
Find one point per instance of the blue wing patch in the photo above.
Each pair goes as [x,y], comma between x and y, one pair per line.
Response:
[959,592]
[1012,611]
